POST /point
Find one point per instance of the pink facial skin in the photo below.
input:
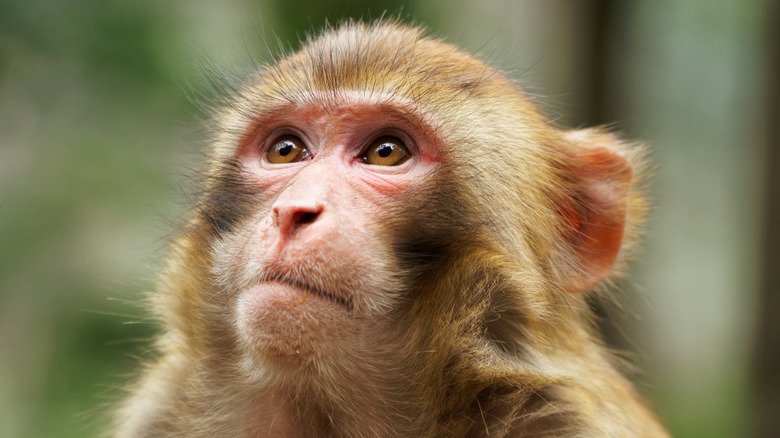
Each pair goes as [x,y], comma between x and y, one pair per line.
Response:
[309,266]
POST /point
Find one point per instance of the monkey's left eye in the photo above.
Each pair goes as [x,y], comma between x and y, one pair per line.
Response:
[386,151]
[287,149]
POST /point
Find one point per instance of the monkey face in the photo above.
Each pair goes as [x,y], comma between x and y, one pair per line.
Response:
[313,264]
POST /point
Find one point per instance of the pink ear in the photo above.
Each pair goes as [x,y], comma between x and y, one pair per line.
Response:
[597,213]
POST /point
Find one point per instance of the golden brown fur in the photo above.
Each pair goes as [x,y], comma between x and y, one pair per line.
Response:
[479,330]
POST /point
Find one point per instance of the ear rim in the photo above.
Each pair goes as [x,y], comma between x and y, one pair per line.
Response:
[595,215]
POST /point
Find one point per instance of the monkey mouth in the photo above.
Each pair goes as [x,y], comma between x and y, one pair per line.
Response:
[310,289]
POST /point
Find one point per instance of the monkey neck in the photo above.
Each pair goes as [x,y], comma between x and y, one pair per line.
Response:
[371,400]
[439,392]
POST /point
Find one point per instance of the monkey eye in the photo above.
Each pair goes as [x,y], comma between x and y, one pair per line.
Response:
[287,149]
[386,151]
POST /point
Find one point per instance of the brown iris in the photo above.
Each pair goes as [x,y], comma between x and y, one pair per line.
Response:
[386,151]
[287,149]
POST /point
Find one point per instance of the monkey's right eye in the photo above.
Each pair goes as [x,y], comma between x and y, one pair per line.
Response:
[287,149]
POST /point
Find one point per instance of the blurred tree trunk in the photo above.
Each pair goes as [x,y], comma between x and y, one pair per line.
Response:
[597,94]
[767,375]
[598,101]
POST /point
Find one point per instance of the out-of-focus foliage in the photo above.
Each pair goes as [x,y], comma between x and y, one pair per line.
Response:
[99,131]
[90,100]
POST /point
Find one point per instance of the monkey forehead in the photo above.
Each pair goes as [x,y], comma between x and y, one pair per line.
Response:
[341,100]
[345,106]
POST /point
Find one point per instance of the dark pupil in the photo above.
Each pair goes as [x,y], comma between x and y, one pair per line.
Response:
[385,150]
[285,148]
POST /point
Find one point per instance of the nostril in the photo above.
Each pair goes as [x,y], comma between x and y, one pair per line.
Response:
[305,217]
[288,218]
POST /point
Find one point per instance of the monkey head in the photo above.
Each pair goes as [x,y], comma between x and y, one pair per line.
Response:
[393,239]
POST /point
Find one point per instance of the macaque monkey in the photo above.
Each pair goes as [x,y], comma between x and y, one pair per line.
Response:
[392,241]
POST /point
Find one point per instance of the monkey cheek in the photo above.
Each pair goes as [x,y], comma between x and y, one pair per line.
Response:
[285,325]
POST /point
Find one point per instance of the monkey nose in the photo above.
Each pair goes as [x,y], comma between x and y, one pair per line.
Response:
[289,218]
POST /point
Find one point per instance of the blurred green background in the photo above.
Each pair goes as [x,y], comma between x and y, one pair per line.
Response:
[99,133]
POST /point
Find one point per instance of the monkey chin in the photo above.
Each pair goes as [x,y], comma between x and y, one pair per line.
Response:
[287,325]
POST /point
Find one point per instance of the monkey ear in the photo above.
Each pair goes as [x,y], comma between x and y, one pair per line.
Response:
[594,216]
